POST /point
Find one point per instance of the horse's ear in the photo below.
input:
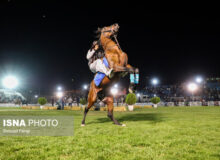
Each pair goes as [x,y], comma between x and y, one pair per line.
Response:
[98,31]
[116,24]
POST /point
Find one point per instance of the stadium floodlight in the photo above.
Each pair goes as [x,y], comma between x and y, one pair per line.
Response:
[85,87]
[154,81]
[36,96]
[192,87]
[199,80]
[114,91]
[59,88]
[10,82]
[59,94]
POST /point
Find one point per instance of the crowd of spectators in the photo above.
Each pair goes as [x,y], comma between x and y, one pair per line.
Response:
[180,93]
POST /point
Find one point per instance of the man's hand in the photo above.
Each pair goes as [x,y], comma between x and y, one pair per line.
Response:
[96,47]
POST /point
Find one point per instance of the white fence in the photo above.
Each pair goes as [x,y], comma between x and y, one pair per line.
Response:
[9,105]
[195,104]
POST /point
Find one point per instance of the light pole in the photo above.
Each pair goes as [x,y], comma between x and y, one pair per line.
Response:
[84,92]
[192,87]
[154,82]
[199,80]
[138,95]
[114,92]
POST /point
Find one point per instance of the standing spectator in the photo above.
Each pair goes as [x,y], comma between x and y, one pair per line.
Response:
[52,101]
[77,101]
[70,101]
[117,102]
[59,103]
[63,103]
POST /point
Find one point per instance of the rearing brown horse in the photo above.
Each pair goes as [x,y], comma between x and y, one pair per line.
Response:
[118,60]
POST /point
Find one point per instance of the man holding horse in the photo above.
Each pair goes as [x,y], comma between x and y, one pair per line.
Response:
[94,56]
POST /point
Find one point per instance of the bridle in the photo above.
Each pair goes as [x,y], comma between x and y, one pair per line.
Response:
[115,37]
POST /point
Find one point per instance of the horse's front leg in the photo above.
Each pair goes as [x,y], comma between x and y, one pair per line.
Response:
[128,69]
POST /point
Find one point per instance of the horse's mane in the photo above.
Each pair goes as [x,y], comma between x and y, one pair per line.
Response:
[98,33]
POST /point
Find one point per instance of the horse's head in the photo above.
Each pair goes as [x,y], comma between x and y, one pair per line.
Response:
[110,30]
[115,28]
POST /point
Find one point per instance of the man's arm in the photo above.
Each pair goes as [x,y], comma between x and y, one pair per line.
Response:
[90,54]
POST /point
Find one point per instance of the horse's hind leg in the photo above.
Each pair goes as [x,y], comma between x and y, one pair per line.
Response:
[91,100]
[109,101]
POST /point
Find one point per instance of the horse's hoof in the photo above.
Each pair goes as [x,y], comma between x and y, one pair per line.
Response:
[123,125]
[83,125]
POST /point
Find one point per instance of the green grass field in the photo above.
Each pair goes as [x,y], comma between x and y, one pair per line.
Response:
[162,133]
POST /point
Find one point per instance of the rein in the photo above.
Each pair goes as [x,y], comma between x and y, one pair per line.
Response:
[117,42]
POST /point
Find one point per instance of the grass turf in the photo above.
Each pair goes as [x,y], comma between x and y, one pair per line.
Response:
[162,133]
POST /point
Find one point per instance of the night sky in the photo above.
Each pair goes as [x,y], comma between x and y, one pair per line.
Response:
[45,43]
